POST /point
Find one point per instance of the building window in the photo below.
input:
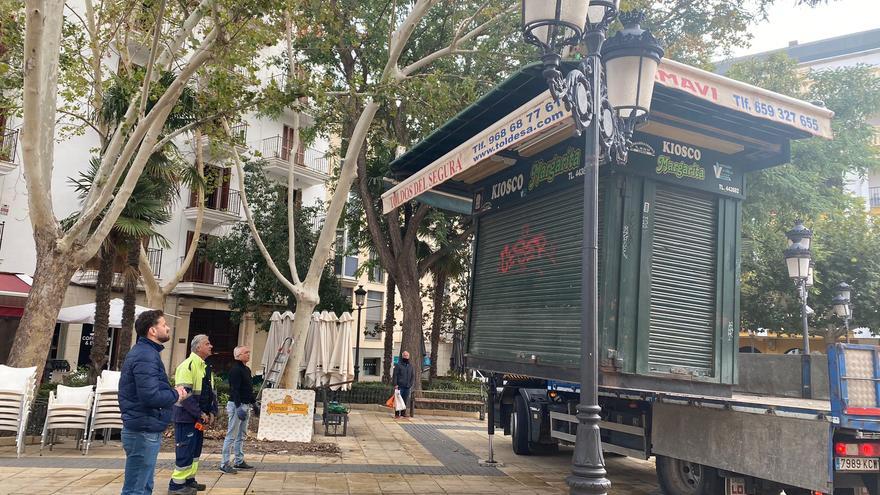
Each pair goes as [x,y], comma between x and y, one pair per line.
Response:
[377,274]
[201,270]
[371,366]
[374,314]
[344,265]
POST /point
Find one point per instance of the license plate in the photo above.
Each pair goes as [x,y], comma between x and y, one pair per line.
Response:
[857,464]
[736,486]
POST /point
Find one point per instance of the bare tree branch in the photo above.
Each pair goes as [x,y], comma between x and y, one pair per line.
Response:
[295,289]
[457,40]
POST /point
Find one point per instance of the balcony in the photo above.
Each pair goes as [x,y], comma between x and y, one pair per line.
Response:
[874,197]
[203,280]
[311,167]
[218,150]
[221,207]
[8,149]
[90,277]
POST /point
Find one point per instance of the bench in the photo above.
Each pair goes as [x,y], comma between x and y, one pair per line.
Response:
[452,401]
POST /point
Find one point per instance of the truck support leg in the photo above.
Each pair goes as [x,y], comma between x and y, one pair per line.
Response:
[490,398]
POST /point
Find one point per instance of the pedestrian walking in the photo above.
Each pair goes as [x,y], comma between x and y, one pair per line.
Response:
[192,416]
[241,400]
[403,378]
[145,400]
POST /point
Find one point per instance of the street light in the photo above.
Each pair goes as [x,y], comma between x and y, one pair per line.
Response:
[799,264]
[359,296]
[800,234]
[609,93]
[841,303]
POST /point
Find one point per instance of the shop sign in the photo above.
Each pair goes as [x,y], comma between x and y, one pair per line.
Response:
[286,415]
[746,98]
[540,114]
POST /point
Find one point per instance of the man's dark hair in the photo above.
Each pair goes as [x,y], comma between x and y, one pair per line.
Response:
[146,320]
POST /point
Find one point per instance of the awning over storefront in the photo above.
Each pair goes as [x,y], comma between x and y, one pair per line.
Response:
[519,116]
[14,290]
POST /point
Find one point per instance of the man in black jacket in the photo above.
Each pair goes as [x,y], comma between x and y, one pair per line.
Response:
[241,399]
[404,378]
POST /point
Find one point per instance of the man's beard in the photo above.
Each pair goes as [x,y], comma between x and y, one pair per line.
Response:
[163,338]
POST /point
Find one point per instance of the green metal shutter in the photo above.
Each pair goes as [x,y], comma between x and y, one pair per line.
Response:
[535,310]
[683,282]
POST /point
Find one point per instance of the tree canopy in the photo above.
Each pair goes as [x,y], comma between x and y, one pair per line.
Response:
[813,188]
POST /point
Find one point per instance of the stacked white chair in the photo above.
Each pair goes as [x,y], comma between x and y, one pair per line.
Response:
[106,415]
[16,395]
[69,409]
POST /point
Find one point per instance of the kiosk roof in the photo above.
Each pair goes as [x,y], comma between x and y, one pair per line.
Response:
[752,123]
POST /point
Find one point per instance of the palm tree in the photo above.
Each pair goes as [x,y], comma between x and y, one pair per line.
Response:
[450,266]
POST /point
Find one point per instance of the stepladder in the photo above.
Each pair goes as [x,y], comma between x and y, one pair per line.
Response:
[273,374]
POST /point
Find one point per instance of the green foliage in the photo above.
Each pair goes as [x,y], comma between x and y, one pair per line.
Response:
[811,188]
[252,285]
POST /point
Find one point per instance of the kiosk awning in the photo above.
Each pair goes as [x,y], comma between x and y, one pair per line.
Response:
[725,113]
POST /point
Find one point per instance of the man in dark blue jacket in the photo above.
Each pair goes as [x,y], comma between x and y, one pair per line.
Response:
[145,399]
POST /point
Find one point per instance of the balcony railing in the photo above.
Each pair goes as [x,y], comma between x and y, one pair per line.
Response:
[239,133]
[202,273]
[275,147]
[216,200]
[8,146]
[874,196]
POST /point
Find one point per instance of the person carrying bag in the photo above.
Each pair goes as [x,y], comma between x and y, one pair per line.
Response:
[403,379]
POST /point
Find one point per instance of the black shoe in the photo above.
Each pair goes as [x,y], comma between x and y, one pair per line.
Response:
[228,469]
[200,487]
[243,465]
[184,490]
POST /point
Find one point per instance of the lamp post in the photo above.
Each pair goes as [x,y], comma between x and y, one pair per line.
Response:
[359,296]
[842,307]
[799,264]
[609,93]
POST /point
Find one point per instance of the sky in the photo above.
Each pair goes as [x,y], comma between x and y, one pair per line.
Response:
[787,22]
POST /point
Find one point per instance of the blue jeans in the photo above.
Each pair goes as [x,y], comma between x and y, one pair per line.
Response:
[235,433]
[141,451]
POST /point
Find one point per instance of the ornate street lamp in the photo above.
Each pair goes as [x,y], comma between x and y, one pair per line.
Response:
[799,264]
[609,93]
[359,297]
[800,234]
[841,304]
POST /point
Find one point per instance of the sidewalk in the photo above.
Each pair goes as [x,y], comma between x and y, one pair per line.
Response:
[423,455]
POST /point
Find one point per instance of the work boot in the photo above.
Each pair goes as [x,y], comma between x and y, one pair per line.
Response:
[184,490]
[242,465]
[200,487]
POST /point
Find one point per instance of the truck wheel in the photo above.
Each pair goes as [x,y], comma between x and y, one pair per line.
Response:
[678,477]
[519,427]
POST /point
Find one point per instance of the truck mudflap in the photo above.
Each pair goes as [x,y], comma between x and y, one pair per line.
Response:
[854,379]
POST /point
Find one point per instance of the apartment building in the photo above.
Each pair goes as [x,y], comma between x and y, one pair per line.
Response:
[861,48]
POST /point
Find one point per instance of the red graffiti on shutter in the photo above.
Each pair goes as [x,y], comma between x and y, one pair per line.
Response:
[518,255]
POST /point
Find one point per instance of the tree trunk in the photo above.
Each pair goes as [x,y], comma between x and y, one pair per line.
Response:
[439,295]
[33,338]
[129,299]
[390,292]
[101,328]
[301,321]
[410,296]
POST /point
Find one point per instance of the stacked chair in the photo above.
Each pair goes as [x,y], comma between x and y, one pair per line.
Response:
[16,395]
[69,409]
[105,412]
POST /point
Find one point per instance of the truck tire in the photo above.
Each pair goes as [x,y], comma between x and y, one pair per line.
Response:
[678,477]
[519,427]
